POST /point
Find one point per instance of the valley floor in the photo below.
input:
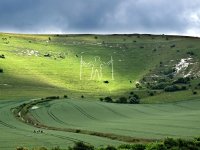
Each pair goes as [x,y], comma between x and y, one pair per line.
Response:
[143,121]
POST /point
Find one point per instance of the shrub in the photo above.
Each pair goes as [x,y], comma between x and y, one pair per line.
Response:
[106,82]
[194,92]
[1,70]
[53,97]
[101,99]
[108,99]
[155,146]
[182,80]
[122,100]
[183,88]
[151,94]
[22,148]
[170,142]
[190,53]
[65,96]
[159,86]
[138,147]
[78,131]
[134,99]
[110,148]
[137,85]
[172,46]
[43,148]
[2,56]
[56,148]
[172,88]
[82,146]
[82,96]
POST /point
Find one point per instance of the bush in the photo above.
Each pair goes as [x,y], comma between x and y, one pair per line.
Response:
[108,99]
[1,70]
[82,146]
[159,86]
[155,146]
[182,80]
[21,148]
[138,147]
[56,148]
[53,97]
[110,148]
[194,92]
[101,99]
[172,88]
[42,148]
[82,96]
[122,100]
[2,56]
[151,94]
[106,82]
[172,46]
[134,99]
[137,85]
[65,96]
[190,53]
[170,142]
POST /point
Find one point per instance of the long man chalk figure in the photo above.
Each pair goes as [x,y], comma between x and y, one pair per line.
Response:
[96,68]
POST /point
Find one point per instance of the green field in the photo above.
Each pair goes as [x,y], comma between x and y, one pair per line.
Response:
[38,66]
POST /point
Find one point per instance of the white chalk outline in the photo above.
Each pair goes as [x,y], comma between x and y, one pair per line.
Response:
[96,72]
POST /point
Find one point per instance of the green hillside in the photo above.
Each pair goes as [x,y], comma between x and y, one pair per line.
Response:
[56,90]
[45,65]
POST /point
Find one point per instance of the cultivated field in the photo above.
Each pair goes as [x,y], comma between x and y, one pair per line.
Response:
[162,72]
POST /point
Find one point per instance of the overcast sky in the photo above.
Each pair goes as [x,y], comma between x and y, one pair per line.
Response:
[101,16]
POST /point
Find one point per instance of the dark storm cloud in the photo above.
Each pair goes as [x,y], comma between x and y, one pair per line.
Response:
[104,16]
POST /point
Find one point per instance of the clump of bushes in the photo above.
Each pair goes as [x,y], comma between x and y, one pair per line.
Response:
[2,56]
[172,46]
[133,99]
[52,97]
[182,80]
[194,92]
[81,146]
[106,82]
[108,99]
[167,144]
[172,88]
[190,53]
[122,100]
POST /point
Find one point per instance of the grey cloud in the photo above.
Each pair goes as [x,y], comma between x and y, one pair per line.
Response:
[150,16]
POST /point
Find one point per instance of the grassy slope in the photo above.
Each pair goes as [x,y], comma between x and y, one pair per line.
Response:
[28,77]
[38,76]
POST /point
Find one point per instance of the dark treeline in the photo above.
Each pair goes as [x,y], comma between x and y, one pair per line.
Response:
[167,144]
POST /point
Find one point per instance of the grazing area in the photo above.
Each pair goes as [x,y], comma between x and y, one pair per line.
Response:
[57,90]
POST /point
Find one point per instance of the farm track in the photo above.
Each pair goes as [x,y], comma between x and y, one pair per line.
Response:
[113,111]
[83,111]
